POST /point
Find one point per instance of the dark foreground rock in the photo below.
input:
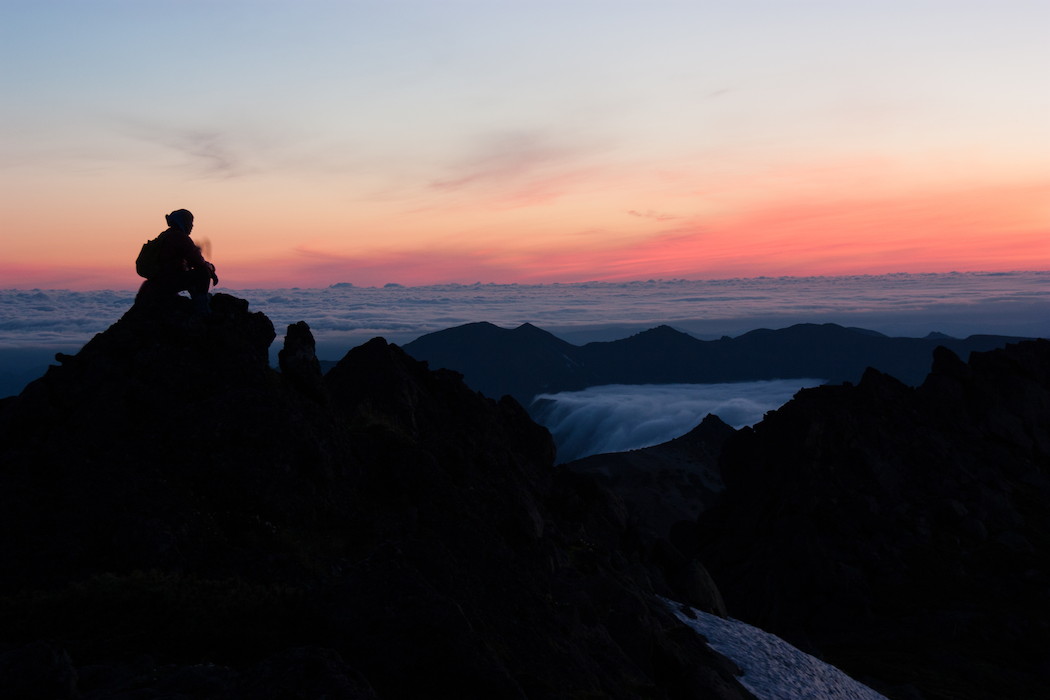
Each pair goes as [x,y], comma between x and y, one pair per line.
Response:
[180,520]
[903,533]
[666,483]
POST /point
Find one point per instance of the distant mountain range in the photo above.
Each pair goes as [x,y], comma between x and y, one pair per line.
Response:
[526,361]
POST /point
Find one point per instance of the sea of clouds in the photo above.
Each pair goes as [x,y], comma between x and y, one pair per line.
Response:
[35,324]
[620,417]
[958,304]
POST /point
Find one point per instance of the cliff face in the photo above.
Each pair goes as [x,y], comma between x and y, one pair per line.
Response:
[180,518]
[902,532]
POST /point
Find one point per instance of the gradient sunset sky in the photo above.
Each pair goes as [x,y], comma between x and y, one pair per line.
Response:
[433,141]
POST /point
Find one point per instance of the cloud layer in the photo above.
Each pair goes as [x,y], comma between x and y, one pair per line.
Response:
[343,315]
[616,418]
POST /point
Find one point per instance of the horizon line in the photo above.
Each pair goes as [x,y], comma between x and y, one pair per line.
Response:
[617,283]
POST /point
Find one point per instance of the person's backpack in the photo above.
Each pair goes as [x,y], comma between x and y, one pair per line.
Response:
[147,264]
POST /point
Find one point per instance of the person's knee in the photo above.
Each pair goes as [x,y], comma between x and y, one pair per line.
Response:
[198,281]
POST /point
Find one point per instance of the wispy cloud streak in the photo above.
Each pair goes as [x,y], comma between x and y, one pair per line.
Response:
[207,152]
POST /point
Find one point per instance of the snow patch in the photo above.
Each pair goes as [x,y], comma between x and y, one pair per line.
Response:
[773,669]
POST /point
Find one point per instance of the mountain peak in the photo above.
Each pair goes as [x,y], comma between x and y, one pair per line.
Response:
[662,330]
[153,358]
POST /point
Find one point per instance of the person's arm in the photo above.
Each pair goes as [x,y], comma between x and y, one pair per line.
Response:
[192,254]
[197,260]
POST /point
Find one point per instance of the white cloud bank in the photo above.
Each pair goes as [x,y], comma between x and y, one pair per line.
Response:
[621,417]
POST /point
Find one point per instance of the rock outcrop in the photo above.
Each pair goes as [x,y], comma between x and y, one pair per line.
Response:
[667,483]
[903,533]
[180,520]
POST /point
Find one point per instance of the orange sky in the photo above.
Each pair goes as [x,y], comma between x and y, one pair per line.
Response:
[991,229]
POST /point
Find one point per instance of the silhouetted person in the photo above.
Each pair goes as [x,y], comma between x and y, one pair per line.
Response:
[174,263]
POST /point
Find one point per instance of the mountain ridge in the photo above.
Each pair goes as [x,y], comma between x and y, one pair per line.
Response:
[897,532]
[861,518]
[506,361]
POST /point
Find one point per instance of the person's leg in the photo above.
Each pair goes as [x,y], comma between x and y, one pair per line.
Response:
[157,291]
[198,282]
[167,287]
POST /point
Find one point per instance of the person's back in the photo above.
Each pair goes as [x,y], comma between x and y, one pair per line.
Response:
[178,266]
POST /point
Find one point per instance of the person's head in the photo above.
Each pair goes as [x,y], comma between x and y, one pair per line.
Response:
[180,219]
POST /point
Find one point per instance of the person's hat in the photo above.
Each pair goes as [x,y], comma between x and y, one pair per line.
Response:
[181,219]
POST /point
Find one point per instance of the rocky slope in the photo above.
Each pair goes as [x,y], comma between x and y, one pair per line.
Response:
[903,533]
[180,520]
[667,483]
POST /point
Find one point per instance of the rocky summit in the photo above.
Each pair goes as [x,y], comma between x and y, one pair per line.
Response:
[181,520]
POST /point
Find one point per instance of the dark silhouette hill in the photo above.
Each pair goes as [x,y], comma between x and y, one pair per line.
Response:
[521,361]
[901,532]
[181,520]
[526,361]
